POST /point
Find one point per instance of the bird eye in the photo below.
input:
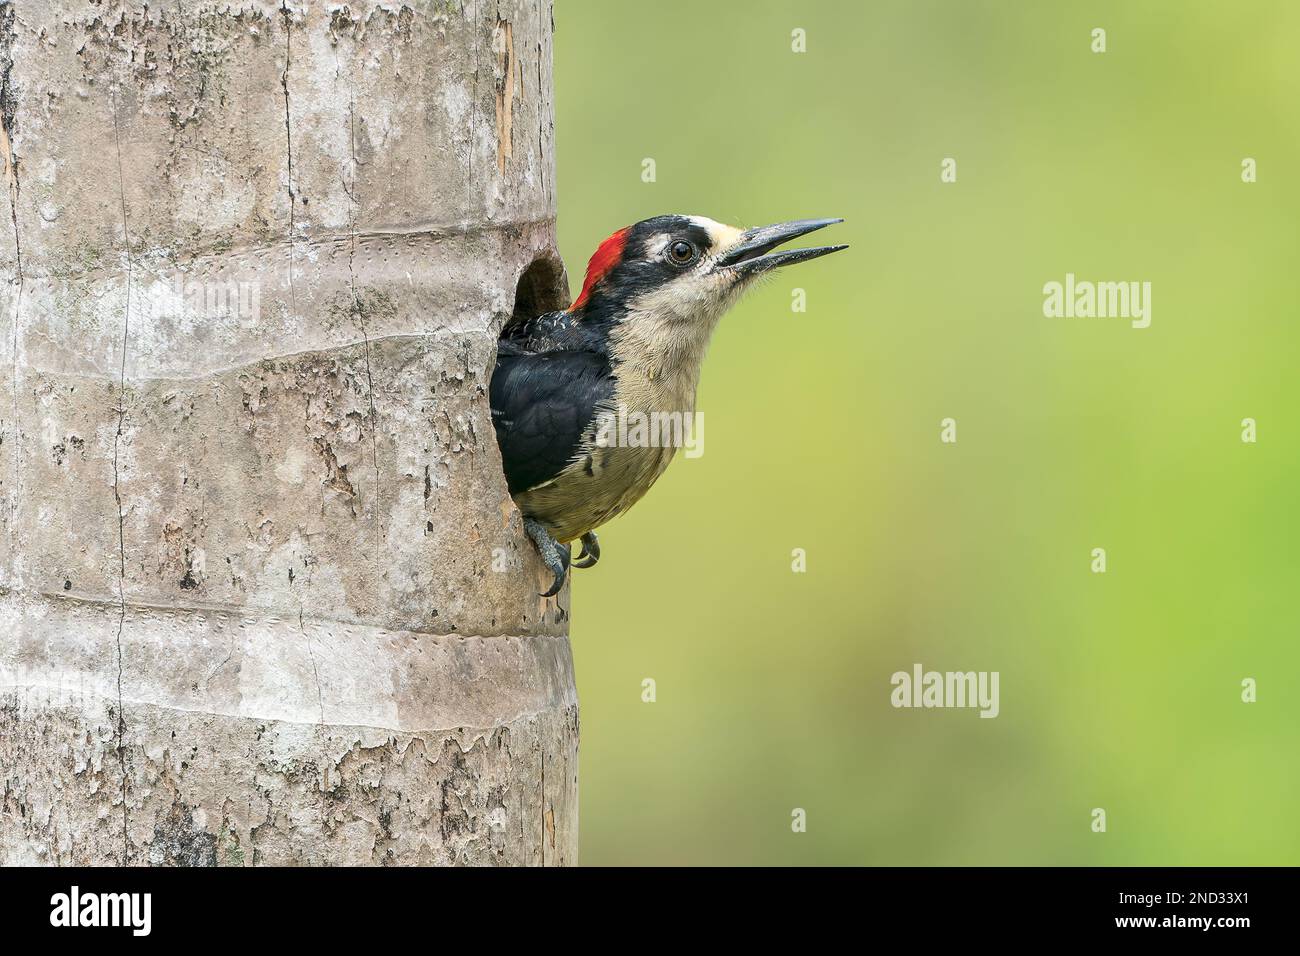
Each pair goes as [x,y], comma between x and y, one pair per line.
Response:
[681,253]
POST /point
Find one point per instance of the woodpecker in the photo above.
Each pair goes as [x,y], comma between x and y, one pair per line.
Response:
[632,343]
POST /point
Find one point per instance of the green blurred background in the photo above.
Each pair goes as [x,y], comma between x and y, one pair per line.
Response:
[1120,690]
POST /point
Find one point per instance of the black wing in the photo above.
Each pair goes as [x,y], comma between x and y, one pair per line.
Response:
[542,402]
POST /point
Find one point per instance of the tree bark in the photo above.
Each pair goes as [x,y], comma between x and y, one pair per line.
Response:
[264,597]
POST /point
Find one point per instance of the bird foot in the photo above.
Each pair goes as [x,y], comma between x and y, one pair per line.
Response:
[590,552]
[555,556]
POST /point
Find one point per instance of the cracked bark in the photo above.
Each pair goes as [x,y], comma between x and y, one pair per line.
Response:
[120,715]
[288,141]
[219,643]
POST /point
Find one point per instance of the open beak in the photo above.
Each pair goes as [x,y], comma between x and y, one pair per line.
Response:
[753,254]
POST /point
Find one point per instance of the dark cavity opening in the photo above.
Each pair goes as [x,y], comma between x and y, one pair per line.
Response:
[543,287]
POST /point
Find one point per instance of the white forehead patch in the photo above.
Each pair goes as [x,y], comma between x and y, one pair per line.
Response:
[721,236]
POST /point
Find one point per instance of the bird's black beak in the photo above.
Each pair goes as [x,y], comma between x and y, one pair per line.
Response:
[752,254]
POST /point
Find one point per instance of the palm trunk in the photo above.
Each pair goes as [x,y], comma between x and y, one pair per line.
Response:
[263,595]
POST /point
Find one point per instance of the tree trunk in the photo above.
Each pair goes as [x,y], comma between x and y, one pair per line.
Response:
[264,597]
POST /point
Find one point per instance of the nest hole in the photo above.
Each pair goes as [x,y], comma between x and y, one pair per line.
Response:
[542,287]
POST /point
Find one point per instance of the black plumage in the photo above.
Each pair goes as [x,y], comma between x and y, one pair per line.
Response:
[548,385]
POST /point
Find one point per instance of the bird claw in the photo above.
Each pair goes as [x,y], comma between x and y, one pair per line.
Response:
[560,573]
[590,552]
[555,556]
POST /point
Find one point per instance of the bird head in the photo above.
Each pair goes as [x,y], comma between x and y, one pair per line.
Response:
[674,276]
